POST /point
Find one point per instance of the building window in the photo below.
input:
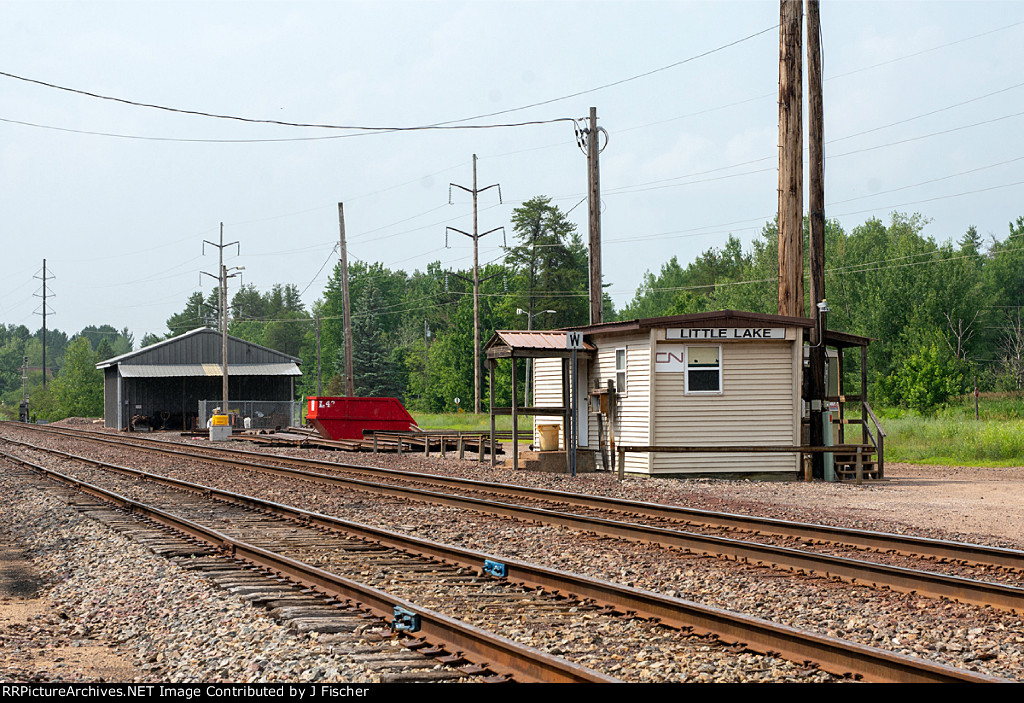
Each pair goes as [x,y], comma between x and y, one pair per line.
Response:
[703,369]
[620,371]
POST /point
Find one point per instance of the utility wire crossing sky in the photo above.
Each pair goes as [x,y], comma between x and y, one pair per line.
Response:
[130,131]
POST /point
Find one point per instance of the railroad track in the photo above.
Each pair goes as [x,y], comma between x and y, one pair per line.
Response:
[977,574]
[225,519]
[394,660]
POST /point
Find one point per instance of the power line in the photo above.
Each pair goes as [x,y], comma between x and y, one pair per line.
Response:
[852,269]
[927,51]
[765,96]
[649,185]
[283,123]
[362,129]
[627,80]
[322,266]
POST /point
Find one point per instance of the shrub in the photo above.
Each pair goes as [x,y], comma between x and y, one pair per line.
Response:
[925,380]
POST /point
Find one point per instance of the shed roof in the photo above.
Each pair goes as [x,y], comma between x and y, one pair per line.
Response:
[200,346]
[508,343]
[178,370]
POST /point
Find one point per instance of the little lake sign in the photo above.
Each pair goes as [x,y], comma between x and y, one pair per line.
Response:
[726,333]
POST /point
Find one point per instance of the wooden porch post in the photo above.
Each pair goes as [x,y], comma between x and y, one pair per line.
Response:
[567,414]
[515,418]
[490,366]
[864,394]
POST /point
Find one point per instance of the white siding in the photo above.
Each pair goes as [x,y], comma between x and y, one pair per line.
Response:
[758,406]
[547,393]
[632,421]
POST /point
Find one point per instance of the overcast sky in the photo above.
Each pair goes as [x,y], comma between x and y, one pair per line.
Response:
[923,113]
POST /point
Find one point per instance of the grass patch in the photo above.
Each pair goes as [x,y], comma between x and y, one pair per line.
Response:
[469,422]
[954,437]
[954,441]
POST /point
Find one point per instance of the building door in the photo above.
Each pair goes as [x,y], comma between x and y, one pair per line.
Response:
[582,407]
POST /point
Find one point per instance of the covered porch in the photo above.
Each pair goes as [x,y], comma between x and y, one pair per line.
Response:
[529,345]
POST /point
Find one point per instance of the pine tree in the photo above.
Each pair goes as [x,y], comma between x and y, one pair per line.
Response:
[550,263]
[376,375]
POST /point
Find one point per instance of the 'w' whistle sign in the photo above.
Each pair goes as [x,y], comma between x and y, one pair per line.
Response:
[573,340]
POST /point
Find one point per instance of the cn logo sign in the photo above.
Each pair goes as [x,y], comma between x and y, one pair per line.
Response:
[573,340]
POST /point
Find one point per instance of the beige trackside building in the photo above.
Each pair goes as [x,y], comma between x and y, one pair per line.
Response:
[714,379]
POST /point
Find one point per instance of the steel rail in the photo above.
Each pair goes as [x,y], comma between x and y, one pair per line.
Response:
[902,579]
[878,541]
[832,654]
[490,651]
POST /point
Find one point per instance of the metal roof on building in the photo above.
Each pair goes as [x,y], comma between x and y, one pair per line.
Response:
[506,343]
[535,340]
[180,370]
[200,346]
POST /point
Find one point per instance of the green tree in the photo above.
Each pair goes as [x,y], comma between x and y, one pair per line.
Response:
[676,290]
[451,364]
[78,389]
[104,350]
[925,380]
[549,264]
[373,368]
[118,341]
[198,312]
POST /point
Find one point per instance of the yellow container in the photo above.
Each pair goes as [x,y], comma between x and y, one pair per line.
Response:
[220,421]
[548,437]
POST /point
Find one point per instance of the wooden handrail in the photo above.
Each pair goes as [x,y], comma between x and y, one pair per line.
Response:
[880,442]
[874,419]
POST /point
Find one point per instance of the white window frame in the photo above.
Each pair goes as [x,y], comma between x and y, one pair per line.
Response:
[686,358]
[623,388]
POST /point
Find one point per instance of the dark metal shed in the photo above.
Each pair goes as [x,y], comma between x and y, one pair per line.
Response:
[164,382]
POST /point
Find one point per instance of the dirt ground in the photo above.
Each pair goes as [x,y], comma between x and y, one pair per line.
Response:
[964,503]
[962,499]
[34,649]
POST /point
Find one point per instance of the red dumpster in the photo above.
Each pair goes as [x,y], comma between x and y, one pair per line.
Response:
[347,418]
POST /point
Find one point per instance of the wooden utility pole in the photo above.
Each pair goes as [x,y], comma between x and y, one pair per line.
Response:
[476,280]
[476,299]
[815,137]
[594,199]
[791,265]
[350,379]
[816,240]
[319,387]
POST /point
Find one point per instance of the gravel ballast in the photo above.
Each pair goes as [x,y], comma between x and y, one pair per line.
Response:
[968,504]
[106,593]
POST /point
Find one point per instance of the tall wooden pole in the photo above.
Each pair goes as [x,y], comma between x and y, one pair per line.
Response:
[816,240]
[815,137]
[319,387]
[350,382]
[594,197]
[791,265]
[476,299]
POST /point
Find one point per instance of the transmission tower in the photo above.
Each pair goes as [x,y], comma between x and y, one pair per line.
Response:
[475,236]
